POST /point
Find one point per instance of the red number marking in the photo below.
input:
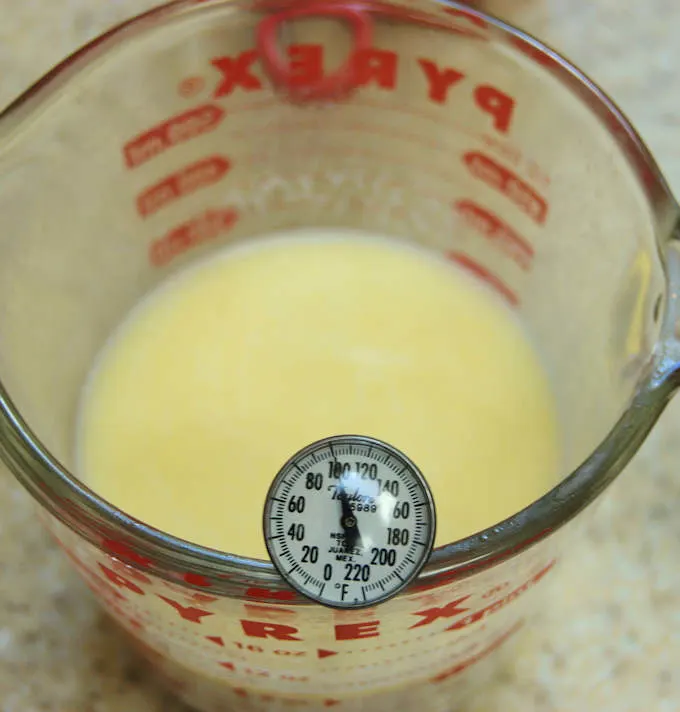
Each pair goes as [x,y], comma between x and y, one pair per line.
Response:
[458,668]
[492,227]
[484,274]
[175,130]
[505,181]
[495,590]
[197,580]
[501,603]
[194,232]
[190,179]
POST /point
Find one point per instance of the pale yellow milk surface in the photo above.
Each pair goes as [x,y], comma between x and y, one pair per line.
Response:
[226,370]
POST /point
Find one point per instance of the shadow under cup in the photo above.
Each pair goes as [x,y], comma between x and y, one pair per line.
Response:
[201,125]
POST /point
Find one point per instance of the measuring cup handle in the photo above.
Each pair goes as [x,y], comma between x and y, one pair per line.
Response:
[669,348]
[280,70]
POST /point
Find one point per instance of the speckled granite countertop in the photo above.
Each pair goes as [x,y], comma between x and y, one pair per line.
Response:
[609,641]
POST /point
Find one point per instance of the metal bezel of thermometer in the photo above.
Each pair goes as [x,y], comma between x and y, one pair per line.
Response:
[349,521]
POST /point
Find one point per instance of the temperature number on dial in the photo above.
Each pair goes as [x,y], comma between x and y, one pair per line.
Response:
[349,521]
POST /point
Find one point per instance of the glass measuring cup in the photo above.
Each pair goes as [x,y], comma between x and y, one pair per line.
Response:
[131,175]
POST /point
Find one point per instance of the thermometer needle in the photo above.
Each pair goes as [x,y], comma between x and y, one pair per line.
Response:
[348,520]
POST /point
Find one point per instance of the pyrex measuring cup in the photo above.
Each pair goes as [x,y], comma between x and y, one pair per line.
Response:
[202,124]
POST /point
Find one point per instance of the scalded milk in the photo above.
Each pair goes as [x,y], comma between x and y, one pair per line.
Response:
[221,374]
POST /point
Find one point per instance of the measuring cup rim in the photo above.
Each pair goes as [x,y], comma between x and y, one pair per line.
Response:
[139,545]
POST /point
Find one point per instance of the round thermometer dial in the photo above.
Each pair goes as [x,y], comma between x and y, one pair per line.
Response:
[349,521]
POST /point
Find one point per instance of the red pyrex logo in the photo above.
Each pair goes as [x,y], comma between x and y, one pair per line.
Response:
[374,67]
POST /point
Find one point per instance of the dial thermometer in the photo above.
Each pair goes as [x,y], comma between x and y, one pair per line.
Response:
[349,521]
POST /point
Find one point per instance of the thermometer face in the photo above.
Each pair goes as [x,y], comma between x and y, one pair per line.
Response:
[349,521]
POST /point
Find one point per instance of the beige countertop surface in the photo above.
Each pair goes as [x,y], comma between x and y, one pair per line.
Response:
[609,638]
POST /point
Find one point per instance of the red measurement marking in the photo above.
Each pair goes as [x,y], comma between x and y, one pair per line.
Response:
[190,86]
[623,132]
[268,612]
[202,598]
[121,581]
[469,16]
[501,603]
[259,672]
[501,234]
[177,129]
[135,624]
[484,274]
[495,590]
[458,668]
[190,596]
[127,570]
[505,181]
[103,591]
[541,56]
[190,179]
[427,599]
[321,653]
[266,593]
[177,241]
[96,584]
[505,149]
[125,552]
[439,581]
